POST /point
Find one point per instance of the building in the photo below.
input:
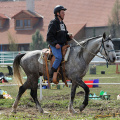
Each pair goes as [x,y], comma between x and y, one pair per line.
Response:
[20,19]
[116,42]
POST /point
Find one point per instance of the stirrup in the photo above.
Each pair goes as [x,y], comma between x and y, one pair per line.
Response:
[51,80]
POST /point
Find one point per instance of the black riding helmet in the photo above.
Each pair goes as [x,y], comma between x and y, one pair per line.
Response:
[58,8]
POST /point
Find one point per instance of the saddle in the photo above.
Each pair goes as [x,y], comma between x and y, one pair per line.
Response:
[49,57]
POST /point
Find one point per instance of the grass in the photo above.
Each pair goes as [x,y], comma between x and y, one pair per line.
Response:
[56,101]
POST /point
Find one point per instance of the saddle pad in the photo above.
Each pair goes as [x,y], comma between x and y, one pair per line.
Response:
[67,54]
[40,60]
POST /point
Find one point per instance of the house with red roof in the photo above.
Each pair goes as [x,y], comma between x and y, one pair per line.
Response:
[20,19]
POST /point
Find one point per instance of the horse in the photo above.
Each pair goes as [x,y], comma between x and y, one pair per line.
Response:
[75,69]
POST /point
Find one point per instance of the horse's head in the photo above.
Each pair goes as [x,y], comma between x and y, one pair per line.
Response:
[107,49]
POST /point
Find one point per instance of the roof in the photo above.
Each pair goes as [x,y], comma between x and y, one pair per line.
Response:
[3,16]
[33,14]
[80,13]
[91,12]
[74,28]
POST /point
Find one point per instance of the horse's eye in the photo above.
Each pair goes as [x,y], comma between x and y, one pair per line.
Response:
[107,45]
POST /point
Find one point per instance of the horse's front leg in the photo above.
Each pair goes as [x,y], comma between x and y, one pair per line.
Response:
[73,91]
[86,89]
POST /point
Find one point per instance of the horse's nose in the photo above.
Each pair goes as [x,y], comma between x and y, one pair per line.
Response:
[114,58]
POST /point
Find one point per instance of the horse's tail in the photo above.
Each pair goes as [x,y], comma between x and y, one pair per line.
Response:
[16,67]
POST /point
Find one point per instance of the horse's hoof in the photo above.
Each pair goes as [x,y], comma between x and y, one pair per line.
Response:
[13,111]
[82,107]
[72,110]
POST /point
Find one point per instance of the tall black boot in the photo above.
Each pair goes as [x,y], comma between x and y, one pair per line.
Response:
[51,74]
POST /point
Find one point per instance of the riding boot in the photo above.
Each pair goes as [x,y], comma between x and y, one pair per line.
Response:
[51,74]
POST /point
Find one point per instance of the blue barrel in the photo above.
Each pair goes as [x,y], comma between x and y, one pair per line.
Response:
[95,81]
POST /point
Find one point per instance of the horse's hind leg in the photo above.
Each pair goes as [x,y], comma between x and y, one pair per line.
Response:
[73,91]
[86,89]
[22,89]
[34,96]
[34,85]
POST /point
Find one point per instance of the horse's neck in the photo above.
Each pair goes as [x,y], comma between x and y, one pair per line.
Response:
[92,47]
[84,55]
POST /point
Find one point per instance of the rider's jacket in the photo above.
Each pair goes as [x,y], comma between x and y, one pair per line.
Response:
[57,33]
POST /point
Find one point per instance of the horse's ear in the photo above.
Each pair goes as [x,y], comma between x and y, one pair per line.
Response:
[110,36]
[104,35]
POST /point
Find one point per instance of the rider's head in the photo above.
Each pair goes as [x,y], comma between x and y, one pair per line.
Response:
[59,11]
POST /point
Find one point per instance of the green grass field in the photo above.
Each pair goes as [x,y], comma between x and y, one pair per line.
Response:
[56,101]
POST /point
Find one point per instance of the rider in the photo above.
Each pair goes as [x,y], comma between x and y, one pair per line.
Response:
[57,36]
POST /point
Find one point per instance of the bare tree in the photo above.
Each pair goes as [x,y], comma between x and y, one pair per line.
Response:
[12,43]
[113,22]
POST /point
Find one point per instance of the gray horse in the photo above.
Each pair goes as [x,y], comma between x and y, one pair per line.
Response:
[75,68]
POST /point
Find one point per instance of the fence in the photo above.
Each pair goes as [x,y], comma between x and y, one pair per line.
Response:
[117,54]
[8,57]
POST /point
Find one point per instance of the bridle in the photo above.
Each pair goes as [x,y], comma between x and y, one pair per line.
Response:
[102,47]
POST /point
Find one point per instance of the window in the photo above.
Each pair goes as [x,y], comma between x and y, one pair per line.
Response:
[23,24]
[19,23]
[27,23]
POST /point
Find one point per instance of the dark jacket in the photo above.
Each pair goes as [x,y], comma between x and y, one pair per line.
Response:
[57,33]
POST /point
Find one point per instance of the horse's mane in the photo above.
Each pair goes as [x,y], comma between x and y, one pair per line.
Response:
[84,42]
[87,40]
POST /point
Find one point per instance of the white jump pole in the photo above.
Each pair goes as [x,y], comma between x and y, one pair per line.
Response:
[85,83]
[40,87]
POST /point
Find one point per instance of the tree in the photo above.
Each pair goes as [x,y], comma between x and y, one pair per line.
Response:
[37,41]
[12,43]
[114,20]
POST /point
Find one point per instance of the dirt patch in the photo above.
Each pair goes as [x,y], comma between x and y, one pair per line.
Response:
[33,113]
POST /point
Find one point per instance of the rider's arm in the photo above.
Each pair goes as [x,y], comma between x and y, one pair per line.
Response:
[51,34]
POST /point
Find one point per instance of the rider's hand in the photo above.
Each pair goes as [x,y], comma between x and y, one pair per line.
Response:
[57,46]
[70,35]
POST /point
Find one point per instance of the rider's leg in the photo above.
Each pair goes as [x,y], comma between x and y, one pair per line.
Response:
[58,58]
[51,74]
